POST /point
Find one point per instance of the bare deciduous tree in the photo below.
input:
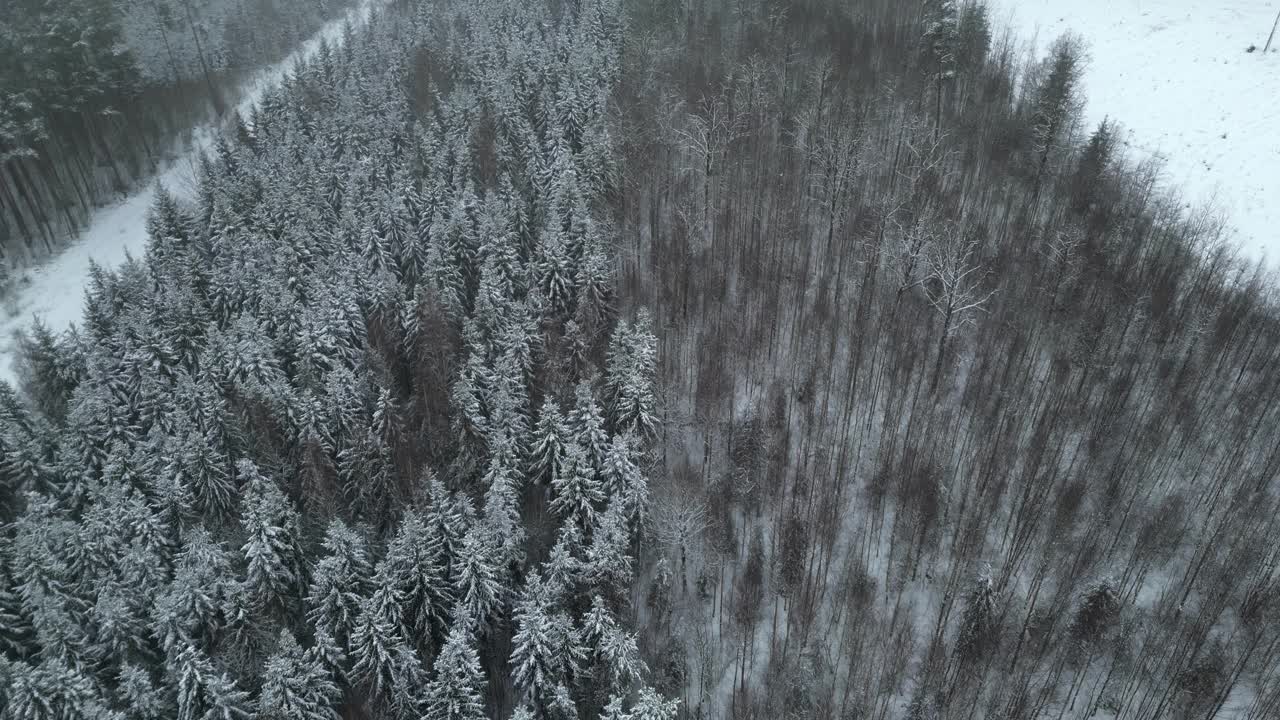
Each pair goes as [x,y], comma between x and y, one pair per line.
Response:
[957,277]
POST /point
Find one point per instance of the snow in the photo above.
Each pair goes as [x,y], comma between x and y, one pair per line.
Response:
[54,292]
[1177,75]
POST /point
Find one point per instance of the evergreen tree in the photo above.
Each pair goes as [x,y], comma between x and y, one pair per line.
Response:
[296,685]
[457,684]
[1054,102]
[578,491]
[615,653]
[631,371]
[338,582]
[587,424]
[547,457]
[192,604]
[141,695]
[608,564]
[382,660]
[652,706]
[1094,162]
[977,623]
[49,691]
[545,650]
[272,549]
[203,692]
[415,567]
[973,36]
[476,582]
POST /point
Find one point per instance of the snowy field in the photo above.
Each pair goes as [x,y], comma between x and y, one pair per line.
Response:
[1177,75]
[55,291]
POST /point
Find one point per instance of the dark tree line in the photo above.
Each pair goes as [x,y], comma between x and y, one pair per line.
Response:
[94,94]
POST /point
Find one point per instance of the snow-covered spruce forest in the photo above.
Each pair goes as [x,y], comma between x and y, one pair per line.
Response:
[654,360]
[96,94]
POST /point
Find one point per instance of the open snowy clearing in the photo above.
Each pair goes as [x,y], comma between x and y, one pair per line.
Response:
[55,290]
[1177,75]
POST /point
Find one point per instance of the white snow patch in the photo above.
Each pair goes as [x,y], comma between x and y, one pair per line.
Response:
[1177,75]
[54,291]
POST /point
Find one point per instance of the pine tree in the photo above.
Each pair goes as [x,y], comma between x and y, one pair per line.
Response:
[49,691]
[1054,102]
[577,491]
[613,710]
[608,563]
[17,637]
[977,623]
[554,268]
[973,36]
[615,653]
[192,604]
[587,424]
[381,658]
[196,458]
[652,706]
[415,568]
[296,685]
[140,694]
[623,480]
[1098,608]
[272,548]
[632,363]
[1094,162]
[562,569]
[545,650]
[547,457]
[476,582]
[448,516]
[455,689]
[203,692]
[338,582]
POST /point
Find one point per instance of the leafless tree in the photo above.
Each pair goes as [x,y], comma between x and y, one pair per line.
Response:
[958,278]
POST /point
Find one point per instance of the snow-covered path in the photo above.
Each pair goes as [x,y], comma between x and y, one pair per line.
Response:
[1177,75]
[55,292]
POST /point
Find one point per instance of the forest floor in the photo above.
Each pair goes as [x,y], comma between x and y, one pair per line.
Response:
[1179,77]
[54,290]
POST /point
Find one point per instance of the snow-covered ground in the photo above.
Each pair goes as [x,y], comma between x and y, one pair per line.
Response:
[1177,75]
[55,290]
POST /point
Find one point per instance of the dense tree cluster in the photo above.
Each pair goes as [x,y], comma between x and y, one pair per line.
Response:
[363,433]
[960,416]
[92,92]
[652,360]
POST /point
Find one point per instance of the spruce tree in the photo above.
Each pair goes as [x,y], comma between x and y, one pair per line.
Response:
[272,548]
[296,685]
[338,582]
[457,684]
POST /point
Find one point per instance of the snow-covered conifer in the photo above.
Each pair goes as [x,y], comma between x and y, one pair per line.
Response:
[454,692]
[272,547]
[416,569]
[338,582]
[577,491]
[476,581]
[547,456]
[546,650]
[381,658]
[587,423]
[652,706]
[295,685]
